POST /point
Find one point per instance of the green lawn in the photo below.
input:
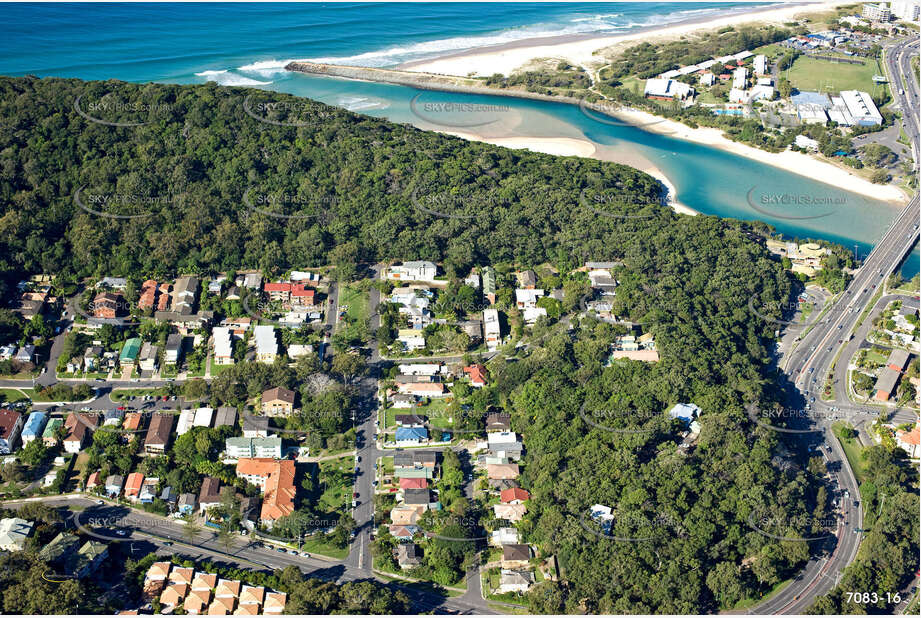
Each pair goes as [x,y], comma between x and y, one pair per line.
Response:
[772,50]
[121,394]
[812,74]
[335,479]
[316,546]
[874,355]
[853,451]
[12,395]
[357,302]
[436,411]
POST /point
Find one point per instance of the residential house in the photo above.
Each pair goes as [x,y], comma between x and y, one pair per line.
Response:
[223,346]
[93,480]
[69,557]
[209,495]
[148,490]
[685,412]
[13,533]
[278,401]
[274,604]
[49,436]
[410,420]
[225,417]
[910,441]
[25,354]
[402,400]
[498,421]
[158,433]
[302,297]
[514,495]
[408,555]
[504,536]
[515,556]
[527,280]
[106,305]
[527,299]
[78,430]
[173,349]
[403,533]
[255,427]
[266,345]
[489,284]
[133,421]
[514,581]
[130,352]
[297,350]
[421,369]
[149,357]
[276,479]
[477,374]
[133,486]
[173,595]
[502,471]
[418,270]
[196,602]
[403,516]
[411,339]
[422,499]
[187,503]
[33,426]
[411,436]
[114,485]
[423,389]
[491,329]
[415,459]
[185,295]
[413,483]
[91,357]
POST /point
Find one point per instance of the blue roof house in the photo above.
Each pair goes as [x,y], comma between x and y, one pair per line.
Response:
[34,426]
[410,436]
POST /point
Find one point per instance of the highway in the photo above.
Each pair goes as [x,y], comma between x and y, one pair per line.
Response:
[811,361]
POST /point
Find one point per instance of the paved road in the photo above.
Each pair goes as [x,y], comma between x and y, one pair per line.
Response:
[146,532]
[806,366]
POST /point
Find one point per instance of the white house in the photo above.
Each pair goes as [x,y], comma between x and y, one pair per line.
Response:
[13,533]
[223,347]
[760,64]
[420,369]
[527,299]
[418,270]
[531,314]
[266,345]
[491,329]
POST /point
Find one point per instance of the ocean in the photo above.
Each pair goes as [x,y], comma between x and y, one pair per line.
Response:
[237,44]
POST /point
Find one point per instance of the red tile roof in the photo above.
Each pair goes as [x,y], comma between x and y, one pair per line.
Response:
[413,483]
[512,494]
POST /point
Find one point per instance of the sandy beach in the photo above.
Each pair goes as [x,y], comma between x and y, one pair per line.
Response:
[795,162]
[588,51]
[571,147]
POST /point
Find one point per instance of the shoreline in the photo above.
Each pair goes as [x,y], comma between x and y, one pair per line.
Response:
[586,37]
[585,49]
[793,162]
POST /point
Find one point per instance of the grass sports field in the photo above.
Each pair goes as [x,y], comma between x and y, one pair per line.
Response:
[824,76]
